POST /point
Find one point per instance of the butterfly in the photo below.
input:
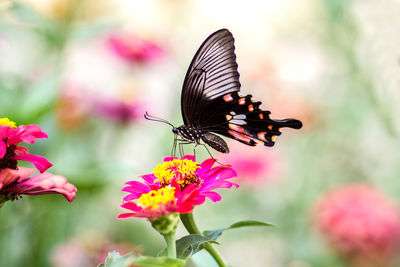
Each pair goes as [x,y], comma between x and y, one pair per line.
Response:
[212,104]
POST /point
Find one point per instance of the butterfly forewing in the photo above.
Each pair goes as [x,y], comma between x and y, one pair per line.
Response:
[212,74]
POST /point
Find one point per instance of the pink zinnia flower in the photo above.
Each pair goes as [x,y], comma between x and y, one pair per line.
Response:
[154,201]
[18,182]
[186,172]
[123,112]
[134,49]
[11,136]
[176,186]
[359,222]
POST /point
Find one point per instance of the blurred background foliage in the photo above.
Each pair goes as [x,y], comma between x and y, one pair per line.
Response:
[86,71]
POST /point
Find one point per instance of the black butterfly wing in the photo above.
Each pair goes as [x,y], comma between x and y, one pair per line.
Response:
[212,74]
[211,99]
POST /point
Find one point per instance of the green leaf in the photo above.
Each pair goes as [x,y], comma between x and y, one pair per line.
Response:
[214,234]
[188,246]
[158,262]
[115,260]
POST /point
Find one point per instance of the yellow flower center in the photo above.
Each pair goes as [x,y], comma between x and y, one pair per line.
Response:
[183,170]
[154,198]
[7,122]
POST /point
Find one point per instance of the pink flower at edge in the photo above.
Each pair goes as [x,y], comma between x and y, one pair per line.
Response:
[18,182]
[193,182]
[134,49]
[359,222]
[10,153]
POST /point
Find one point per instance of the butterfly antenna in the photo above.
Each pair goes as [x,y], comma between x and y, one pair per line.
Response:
[151,118]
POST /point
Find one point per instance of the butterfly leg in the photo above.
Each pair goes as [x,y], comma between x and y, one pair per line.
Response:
[173,151]
[227,165]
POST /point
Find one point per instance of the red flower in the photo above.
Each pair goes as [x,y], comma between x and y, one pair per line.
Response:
[10,137]
[359,222]
[18,182]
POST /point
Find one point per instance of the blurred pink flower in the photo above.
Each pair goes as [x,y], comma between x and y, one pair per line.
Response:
[87,251]
[119,111]
[253,165]
[134,49]
[11,136]
[176,186]
[17,182]
[359,222]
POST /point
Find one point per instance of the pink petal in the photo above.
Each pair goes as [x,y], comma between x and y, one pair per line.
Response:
[21,150]
[149,178]
[126,215]
[41,163]
[205,166]
[8,176]
[6,131]
[131,206]
[136,187]
[169,159]
[3,148]
[213,196]
[47,183]
[189,157]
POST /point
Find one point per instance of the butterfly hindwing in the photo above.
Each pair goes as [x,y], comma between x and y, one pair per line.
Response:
[240,117]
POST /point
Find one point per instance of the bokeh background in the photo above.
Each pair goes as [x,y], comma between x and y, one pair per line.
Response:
[86,71]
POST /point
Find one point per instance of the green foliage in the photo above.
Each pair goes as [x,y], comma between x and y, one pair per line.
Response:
[115,260]
[214,234]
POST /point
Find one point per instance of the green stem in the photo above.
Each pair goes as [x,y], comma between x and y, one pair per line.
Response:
[191,227]
[171,247]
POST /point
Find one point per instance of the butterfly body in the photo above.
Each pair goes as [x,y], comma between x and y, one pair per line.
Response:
[212,103]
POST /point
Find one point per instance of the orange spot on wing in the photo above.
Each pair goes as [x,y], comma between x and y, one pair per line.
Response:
[240,136]
[251,108]
[261,116]
[242,101]
[261,136]
[270,127]
[236,128]
[228,97]
[273,138]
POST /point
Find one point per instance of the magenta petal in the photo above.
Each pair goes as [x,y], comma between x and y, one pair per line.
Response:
[205,166]
[5,131]
[149,178]
[8,176]
[126,215]
[213,196]
[47,183]
[189,157]
[3,148]
[169,159]
[131,206]
[136,187]
[41,163]
[21,150]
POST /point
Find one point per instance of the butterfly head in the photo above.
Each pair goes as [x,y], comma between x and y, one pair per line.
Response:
[175,130]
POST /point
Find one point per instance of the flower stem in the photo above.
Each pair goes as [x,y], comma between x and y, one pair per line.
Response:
[171,247]
[191,227]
